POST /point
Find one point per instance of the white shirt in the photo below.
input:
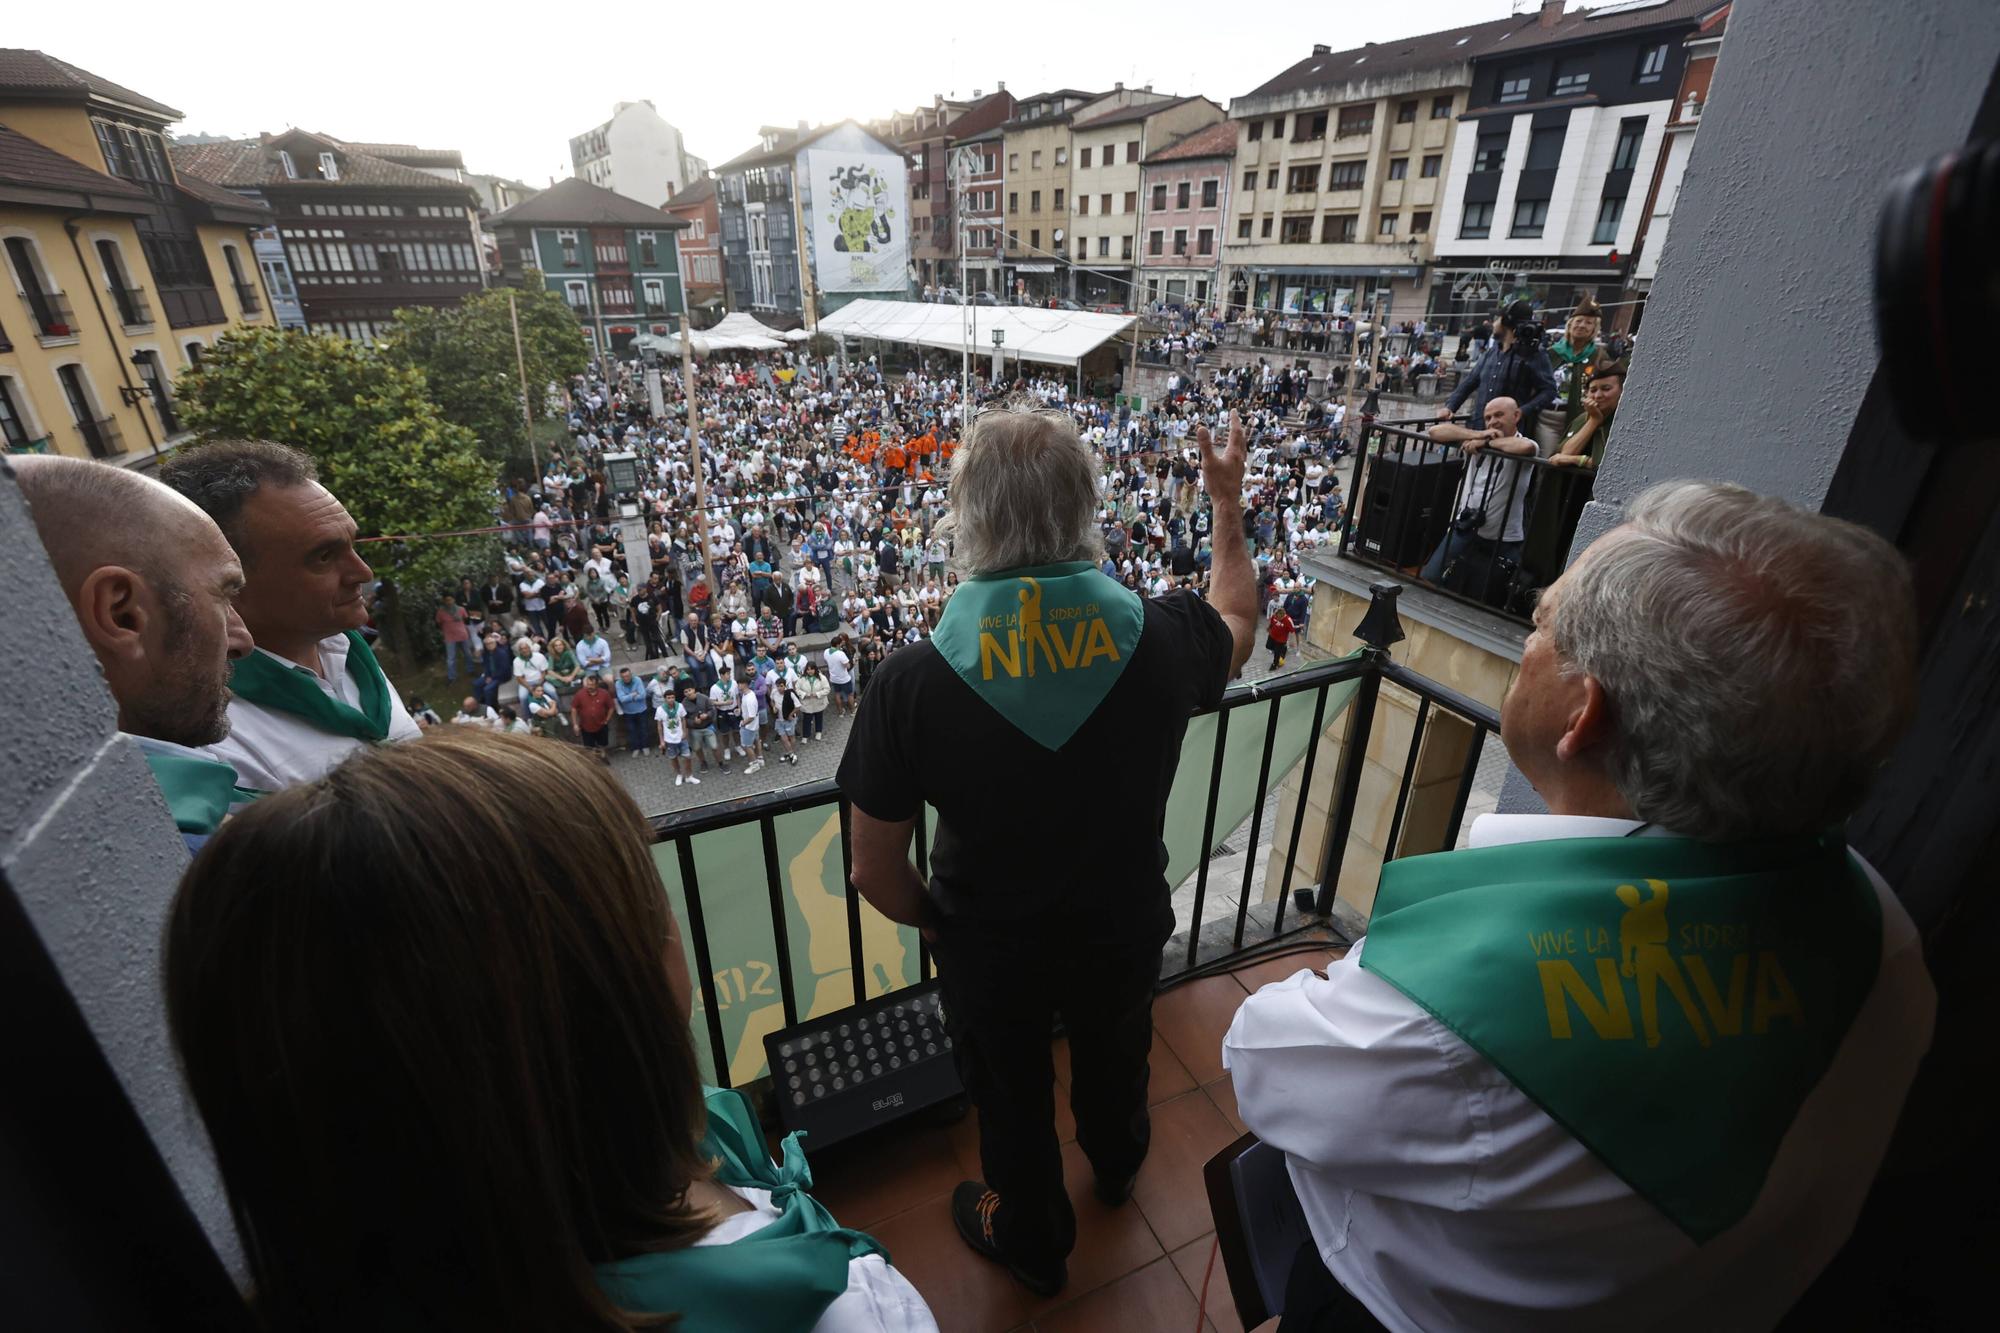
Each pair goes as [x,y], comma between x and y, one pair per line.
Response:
[1442,1197]
[836,667]
[271,750]
[879,1299]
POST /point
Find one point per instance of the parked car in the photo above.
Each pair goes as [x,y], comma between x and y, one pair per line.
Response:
[985,298]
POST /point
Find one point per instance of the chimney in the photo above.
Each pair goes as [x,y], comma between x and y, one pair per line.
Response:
[803,127]
[1322,49]
[975,94]
[1001,86]
[1552,12]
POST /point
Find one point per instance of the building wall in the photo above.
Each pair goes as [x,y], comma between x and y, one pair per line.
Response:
[1266,163]
[34,361]
[1193,266]
[646,155]
[62,126]
[1038,159]
[700,249]
[92,856]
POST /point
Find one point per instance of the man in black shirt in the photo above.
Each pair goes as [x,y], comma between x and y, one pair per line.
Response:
[1046,895]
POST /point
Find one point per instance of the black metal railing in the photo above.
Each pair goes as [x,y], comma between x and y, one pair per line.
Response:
[1486,528]
[1349,684]
[102,437]
[134,310]
[246,297]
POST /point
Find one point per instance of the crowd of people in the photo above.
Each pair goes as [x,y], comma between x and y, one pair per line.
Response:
[826,533]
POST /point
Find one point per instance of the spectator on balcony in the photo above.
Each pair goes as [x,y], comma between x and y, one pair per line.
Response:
[312,692]
[500,1121]
[154,594]
[1487,532]
[1586,444]
[1039,664]
[1489,1128]
[1515,365]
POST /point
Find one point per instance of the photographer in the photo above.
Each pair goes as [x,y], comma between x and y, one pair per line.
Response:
[1515,366]
[1493,498]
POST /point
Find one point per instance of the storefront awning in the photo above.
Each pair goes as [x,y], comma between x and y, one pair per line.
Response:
[1033,268]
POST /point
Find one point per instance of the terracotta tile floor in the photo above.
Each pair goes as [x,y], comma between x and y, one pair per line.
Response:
[1138,1267]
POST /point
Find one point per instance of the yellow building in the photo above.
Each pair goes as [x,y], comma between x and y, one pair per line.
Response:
[121,273]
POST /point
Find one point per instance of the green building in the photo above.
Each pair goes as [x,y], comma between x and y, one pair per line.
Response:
[613,259]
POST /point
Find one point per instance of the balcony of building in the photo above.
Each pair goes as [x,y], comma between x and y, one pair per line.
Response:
[1284,792]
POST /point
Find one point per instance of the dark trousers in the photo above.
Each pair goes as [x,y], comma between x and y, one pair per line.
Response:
[1002,993]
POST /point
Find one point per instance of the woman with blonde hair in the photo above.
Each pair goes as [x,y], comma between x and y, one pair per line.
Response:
[443,1055]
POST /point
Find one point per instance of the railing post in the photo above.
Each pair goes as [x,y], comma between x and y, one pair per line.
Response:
[1379,629]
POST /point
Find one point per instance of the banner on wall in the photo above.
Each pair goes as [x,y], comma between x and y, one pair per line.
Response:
[860,223]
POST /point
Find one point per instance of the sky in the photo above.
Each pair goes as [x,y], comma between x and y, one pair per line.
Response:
[508,83]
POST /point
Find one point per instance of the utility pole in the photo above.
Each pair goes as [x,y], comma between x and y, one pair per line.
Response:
[694,448]
[1354,359]
[527,399]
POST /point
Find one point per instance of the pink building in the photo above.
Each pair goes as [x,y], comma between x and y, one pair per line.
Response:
[1185,198]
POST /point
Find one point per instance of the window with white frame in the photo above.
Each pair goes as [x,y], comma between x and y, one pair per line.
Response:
[577,292]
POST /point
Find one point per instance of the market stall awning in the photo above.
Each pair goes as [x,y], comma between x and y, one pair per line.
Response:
[1059,337]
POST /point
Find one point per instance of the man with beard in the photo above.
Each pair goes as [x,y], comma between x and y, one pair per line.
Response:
[312,692]
[154,593]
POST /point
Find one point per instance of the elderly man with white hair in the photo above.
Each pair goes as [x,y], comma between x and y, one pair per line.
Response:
[1632,1063]
[1046,894]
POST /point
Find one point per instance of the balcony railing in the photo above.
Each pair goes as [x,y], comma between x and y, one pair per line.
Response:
[50,312]
[1487,529]
[809,944]
[101,437]
[134,310]
[246,296]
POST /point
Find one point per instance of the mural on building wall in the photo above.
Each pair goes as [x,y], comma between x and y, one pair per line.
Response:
[861,238]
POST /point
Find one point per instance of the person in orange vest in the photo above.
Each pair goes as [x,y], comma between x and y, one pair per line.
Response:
[894,457]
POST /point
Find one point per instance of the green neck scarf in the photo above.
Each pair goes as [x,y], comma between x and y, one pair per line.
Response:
[1041,645]
[1564,350]
[778,1279]
[262,679]
[1670,1003]
[200,792]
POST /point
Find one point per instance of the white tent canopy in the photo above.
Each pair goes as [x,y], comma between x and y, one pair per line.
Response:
[1061,337]
[736,332]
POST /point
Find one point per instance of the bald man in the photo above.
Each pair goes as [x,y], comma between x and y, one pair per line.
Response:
[1488,525]
[153,584]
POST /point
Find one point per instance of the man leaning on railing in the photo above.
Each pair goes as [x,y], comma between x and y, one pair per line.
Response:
[1632,1063]
[1047,894]
[1493,497]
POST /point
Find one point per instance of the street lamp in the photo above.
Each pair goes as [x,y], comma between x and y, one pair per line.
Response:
[999,340]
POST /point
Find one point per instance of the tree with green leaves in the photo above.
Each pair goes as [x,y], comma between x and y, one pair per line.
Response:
[467,358]
[383,448]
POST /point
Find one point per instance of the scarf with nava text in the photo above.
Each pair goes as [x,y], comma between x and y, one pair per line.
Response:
[1041,645]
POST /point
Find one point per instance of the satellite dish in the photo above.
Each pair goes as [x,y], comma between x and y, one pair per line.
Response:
[1059,235]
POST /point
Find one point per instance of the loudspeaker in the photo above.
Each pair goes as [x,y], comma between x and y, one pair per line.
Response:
[1409,503]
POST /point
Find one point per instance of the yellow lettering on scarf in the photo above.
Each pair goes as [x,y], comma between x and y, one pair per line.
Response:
[1067,649]
[1608,1017]
[990,651]
[1728,1018]
[1775,996]
[1099,644]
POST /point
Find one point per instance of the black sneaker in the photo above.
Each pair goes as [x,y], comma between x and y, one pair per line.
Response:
[972,1209]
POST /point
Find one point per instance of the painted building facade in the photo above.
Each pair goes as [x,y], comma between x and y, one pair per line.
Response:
[364,236]
[612,259]
[1548,178]
[1184,201]
[1339,162]
[701,250]
[1108,149]
[122,271]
